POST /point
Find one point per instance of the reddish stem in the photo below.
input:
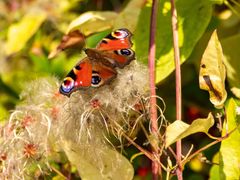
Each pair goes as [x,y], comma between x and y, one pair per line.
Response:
[156,169]
[209,145]
[178,83]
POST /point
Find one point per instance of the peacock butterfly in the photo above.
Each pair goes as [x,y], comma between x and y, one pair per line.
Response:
[98,67]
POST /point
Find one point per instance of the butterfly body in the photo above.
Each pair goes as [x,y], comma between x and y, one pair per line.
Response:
[98,68]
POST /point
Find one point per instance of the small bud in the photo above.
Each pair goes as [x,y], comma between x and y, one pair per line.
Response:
[30,150]
[26,121]
[95,103]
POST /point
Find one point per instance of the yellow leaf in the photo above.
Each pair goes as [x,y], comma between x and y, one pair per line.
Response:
[20,32]
[213,73]
[93,21]
[179,129]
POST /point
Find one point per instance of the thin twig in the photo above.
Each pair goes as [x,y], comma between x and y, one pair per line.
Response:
[58,172]
[236,3]
[220,126]
[156,169]
[207,146]
[173,153]
[226,119]
[144,151]
[178,83]
[232,8]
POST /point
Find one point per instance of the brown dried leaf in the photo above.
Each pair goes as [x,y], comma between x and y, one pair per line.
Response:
[74,39]
[213,73]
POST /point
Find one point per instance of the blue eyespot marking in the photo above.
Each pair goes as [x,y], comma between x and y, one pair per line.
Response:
[96,80]
[125,52]
[67,85]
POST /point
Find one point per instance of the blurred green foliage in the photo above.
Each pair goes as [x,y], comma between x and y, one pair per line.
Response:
[31,29]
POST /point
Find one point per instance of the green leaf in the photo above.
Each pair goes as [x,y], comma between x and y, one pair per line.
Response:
[213,73]
[93,21]
[7,89]
[179,129]
[129,16]
[232,62]
[41,63]
[219,2]
[229,150]
[109,164]
[214,172]
[193,18]
[19,33]
[3,112]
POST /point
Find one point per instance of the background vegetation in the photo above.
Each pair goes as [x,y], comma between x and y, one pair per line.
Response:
[31,29]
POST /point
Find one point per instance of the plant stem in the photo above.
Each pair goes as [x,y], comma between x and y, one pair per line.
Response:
[178,83]
[231,7]
[145,152]
[208,145]
[58,172]
[156,169]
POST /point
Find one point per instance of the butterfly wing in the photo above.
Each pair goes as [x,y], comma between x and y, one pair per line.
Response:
[79,77]
[115,48]
[119,58]
[97,68]
[86,74]
[118,39]
[102,74]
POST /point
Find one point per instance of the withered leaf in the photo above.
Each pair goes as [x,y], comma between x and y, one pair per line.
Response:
[213,73]
[74,39]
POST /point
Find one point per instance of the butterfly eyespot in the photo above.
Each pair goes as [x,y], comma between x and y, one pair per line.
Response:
[126,52]
[67,85]
[96,80]
[98,67]
[120,34]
